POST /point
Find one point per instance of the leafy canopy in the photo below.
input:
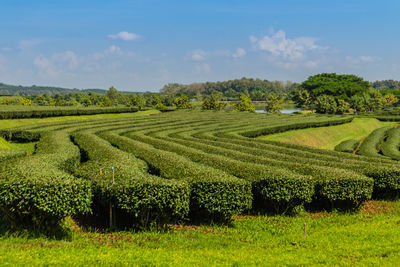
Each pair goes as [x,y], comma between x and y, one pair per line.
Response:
[245,104]
[340,86]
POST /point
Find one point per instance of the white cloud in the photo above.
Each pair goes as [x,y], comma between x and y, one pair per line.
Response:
[198,55]
[45,65]
[26,44]
[203,68]
[57,63]
[278,45]
[240,52]
[361,59]
[114,50]
[125,36]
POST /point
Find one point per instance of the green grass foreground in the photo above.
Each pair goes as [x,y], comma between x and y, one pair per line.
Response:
[369,237]
[329,137]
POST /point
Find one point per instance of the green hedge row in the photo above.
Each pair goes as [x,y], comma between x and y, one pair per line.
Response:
[35,191]
[295,126]
[390,147]
[11,153]
[54,112]
[347,146]
[139,199]
[386,176]
[371,145]
[215,195]
[275,188]
[334,186]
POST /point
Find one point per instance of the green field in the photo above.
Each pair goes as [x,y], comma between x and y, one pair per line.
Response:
[366,238]
[329,137]
[193,188]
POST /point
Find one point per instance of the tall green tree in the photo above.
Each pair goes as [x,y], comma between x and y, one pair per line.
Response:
[326,104]
[183,102]
[213,102]
[273,103]
[340,86]
[245,104]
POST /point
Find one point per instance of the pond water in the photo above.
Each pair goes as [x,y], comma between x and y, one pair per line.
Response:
[283,111]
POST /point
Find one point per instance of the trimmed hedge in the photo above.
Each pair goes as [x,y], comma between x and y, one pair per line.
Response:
[351,188]
[295,126]
[11,153]
[215,195]
[347,146]
[390,147]
[279,189]
[36,192]
[34,112]
[371,145]
[139,199]
[385,175]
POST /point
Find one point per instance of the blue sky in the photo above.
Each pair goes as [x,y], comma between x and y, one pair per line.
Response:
[142,45]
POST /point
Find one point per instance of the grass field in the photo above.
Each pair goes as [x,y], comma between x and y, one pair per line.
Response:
[329,137]
[366,238]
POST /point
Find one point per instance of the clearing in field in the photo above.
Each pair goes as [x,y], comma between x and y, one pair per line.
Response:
[329,137]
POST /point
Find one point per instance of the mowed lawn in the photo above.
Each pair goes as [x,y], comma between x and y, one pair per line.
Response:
[24,122]
[329,137]
[369,237]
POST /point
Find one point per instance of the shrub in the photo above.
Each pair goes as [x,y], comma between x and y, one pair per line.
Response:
[215,195]
[36,192]
[347,146]
[139,198]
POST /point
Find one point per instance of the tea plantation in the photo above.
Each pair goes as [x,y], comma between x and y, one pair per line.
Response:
[181,168]
[201,166]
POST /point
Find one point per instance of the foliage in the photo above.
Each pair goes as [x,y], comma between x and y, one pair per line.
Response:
[139,199]
[273,103]
[38,191]
[347,146]
[198,165]
[256,89]
[213,102]
[214,195]
[244,104]
[390,99]
[342,106]
[302,98]
[386,85]
[35,112]
[183,102]
[326,104]
[339,86]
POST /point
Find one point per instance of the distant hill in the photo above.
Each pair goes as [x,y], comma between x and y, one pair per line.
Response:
[6,89]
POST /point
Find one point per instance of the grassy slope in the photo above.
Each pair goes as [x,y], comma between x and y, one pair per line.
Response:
[329,137]
[366,238]
[23,122]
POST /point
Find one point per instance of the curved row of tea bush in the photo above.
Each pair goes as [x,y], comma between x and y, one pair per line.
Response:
[35,112]
[371,145]
[201,165]
[138,197]
[348,146]
[37,191]
[11,153]
[390,147]
[385,173]
[214,195]
[348,192]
